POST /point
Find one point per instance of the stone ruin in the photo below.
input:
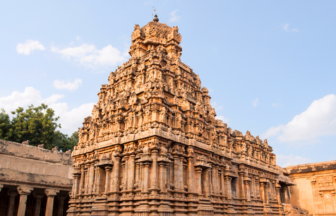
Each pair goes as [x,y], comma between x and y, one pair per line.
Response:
[153,145]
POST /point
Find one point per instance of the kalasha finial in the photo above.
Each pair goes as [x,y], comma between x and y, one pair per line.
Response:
[156,19]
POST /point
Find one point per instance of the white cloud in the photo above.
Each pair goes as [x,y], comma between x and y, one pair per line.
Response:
[216,106]
[148,2]
[225,120]
[287,160]
[29,46]
[62,84]
[255,102]
[91,57]
[277,104]
[285,27]
[174,17]
[78,38]
[70,119]
[317,121]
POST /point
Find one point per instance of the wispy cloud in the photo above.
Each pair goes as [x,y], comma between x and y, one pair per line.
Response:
[148,2]
[28,46]
[174,17]
[216,106]
[317,121]
[278,104]
[225,120]
[286,28]
[255,102]
[287,160]
[68,85]
[89,56]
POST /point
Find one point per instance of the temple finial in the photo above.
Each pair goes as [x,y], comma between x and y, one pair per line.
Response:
[156,19]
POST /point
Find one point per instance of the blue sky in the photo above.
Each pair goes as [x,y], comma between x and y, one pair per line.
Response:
[269,65]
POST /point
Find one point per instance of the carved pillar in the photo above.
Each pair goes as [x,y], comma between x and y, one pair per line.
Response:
[313,185]
[272,190]
[247,190]
[266,186]
[257,188]
[146,177]
[206,174]
[137,174]
[154,181]
[222,182]
[163,177]
[262,191]
[131,169]
[190,174]
[51,193]
[252,188]
[86,174]
[24,191]
[115,175]
[125,177]
[228,187]
[171,173]
[286,194]
[107,179]
[81,186]
[199,180]
[277,188]
[181,174]
[141,176]
[92,175]
[12,194]
[214,183]
[60,205]
[176,172]
[241,185]
[38,203]
[75,185]
[96,183]
[184,175]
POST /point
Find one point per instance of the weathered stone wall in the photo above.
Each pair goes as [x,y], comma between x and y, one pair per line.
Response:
[314,188]
[30,164]
[33,179]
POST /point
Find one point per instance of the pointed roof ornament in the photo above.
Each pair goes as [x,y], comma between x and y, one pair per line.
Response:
[156,19]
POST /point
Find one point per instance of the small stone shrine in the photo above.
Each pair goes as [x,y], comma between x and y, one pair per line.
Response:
[153,145]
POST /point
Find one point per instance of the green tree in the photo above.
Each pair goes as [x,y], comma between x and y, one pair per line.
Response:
[36,124]
[5,126]
[64,142]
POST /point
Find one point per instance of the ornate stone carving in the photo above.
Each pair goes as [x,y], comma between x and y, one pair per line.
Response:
[158,147]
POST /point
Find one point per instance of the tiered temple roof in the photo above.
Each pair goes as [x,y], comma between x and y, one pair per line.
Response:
[153,144]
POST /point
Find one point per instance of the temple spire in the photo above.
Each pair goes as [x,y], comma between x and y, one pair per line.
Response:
[156,18]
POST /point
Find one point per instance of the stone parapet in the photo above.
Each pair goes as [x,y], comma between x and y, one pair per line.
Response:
[26,164]
[35,153]
[312,167]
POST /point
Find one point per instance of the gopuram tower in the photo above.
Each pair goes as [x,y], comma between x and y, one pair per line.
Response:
[153,145]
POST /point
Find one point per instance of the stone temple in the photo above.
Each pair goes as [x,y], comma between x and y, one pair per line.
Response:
[153,145]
